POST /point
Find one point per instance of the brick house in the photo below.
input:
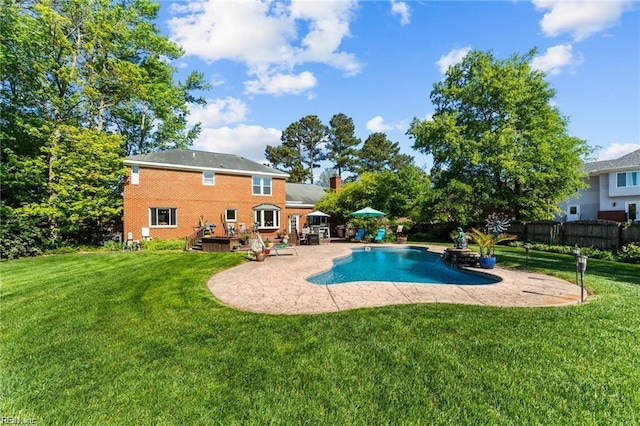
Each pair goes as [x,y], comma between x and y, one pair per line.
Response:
[167,192]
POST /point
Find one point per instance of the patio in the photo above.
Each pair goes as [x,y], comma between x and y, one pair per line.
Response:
[278,286]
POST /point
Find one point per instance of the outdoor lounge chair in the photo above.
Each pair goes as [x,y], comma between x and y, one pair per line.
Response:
[283,246]
[359,235]
[379,235]
[276,248]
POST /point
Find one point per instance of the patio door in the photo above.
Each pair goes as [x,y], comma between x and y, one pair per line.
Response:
[632,211]
[294,220]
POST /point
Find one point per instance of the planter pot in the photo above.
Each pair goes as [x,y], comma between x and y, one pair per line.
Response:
[260,257]
[488,262]
[402,240]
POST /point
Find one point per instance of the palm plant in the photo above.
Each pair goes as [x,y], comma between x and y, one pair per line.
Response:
[486,242]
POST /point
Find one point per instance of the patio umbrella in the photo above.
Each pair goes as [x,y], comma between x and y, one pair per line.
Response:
[318,213]
[367,212]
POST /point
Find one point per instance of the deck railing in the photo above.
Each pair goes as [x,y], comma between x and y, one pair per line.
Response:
[194,238]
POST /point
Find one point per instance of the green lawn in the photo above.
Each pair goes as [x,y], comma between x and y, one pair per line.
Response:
[117,338]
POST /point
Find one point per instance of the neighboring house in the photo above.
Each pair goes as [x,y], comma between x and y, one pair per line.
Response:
[168,192]
[613,192]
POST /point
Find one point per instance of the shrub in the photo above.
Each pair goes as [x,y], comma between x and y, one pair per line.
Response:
[160,245]
[629,254]
[20,235]
[113,245]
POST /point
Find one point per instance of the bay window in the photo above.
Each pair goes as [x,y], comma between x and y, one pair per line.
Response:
[267,218]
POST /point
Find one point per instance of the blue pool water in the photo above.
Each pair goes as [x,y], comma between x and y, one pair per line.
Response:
[401,264]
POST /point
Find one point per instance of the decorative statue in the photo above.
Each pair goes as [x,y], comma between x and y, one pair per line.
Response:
[461,239]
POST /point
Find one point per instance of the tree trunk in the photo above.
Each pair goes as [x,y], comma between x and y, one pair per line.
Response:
[54,141]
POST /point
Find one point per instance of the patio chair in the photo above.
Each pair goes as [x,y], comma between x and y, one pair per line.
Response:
[302,237]
[359,235]
[380,235]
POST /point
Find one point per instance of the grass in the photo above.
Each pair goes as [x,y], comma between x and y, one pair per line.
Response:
[110,338]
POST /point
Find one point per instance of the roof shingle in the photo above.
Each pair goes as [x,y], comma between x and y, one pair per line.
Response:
[626,161]
[191,159]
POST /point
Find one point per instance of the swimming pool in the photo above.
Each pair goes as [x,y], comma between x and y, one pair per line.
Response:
[397,264]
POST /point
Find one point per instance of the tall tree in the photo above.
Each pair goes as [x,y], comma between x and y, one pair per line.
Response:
[79,75]
[498,143]
[378,153]
[324,180]
[302,149]
[398,194]
[342,143]
[289,159]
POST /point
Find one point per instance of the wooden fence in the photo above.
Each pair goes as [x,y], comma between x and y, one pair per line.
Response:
[545,231]
[630,233]
[592,233]
[601,234]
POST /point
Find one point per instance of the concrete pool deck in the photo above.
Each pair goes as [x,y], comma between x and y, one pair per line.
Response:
[278,286]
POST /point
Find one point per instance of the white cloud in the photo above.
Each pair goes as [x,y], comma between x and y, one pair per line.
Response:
[328,24]
[581,19]
[556,58]
[247,141]
[218,112]
[279,84]
[214,30]
[617,150]
[216,80]
[452,58]
[402,9]
[376,124]
[266,35]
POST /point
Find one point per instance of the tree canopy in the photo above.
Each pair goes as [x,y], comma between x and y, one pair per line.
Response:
[398,194]
[379,153]
[497,141]
[342,151]
[82,84]
[302,148]
[307,142]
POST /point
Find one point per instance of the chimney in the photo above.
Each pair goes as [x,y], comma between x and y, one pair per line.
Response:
[335,182]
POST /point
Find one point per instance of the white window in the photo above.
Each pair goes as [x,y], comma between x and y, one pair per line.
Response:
[230,215]
[628,179]
[261,185]
[163,217]
[268,218]
[135,175]
[574,210]
[208,178]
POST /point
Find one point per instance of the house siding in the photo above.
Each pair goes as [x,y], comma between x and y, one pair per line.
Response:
[587,200]
[627,191]
[185,191]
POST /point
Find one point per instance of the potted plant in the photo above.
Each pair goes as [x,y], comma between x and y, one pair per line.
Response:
[486,243]
[256,251]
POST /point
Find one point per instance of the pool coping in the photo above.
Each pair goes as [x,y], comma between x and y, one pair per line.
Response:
[278,286]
